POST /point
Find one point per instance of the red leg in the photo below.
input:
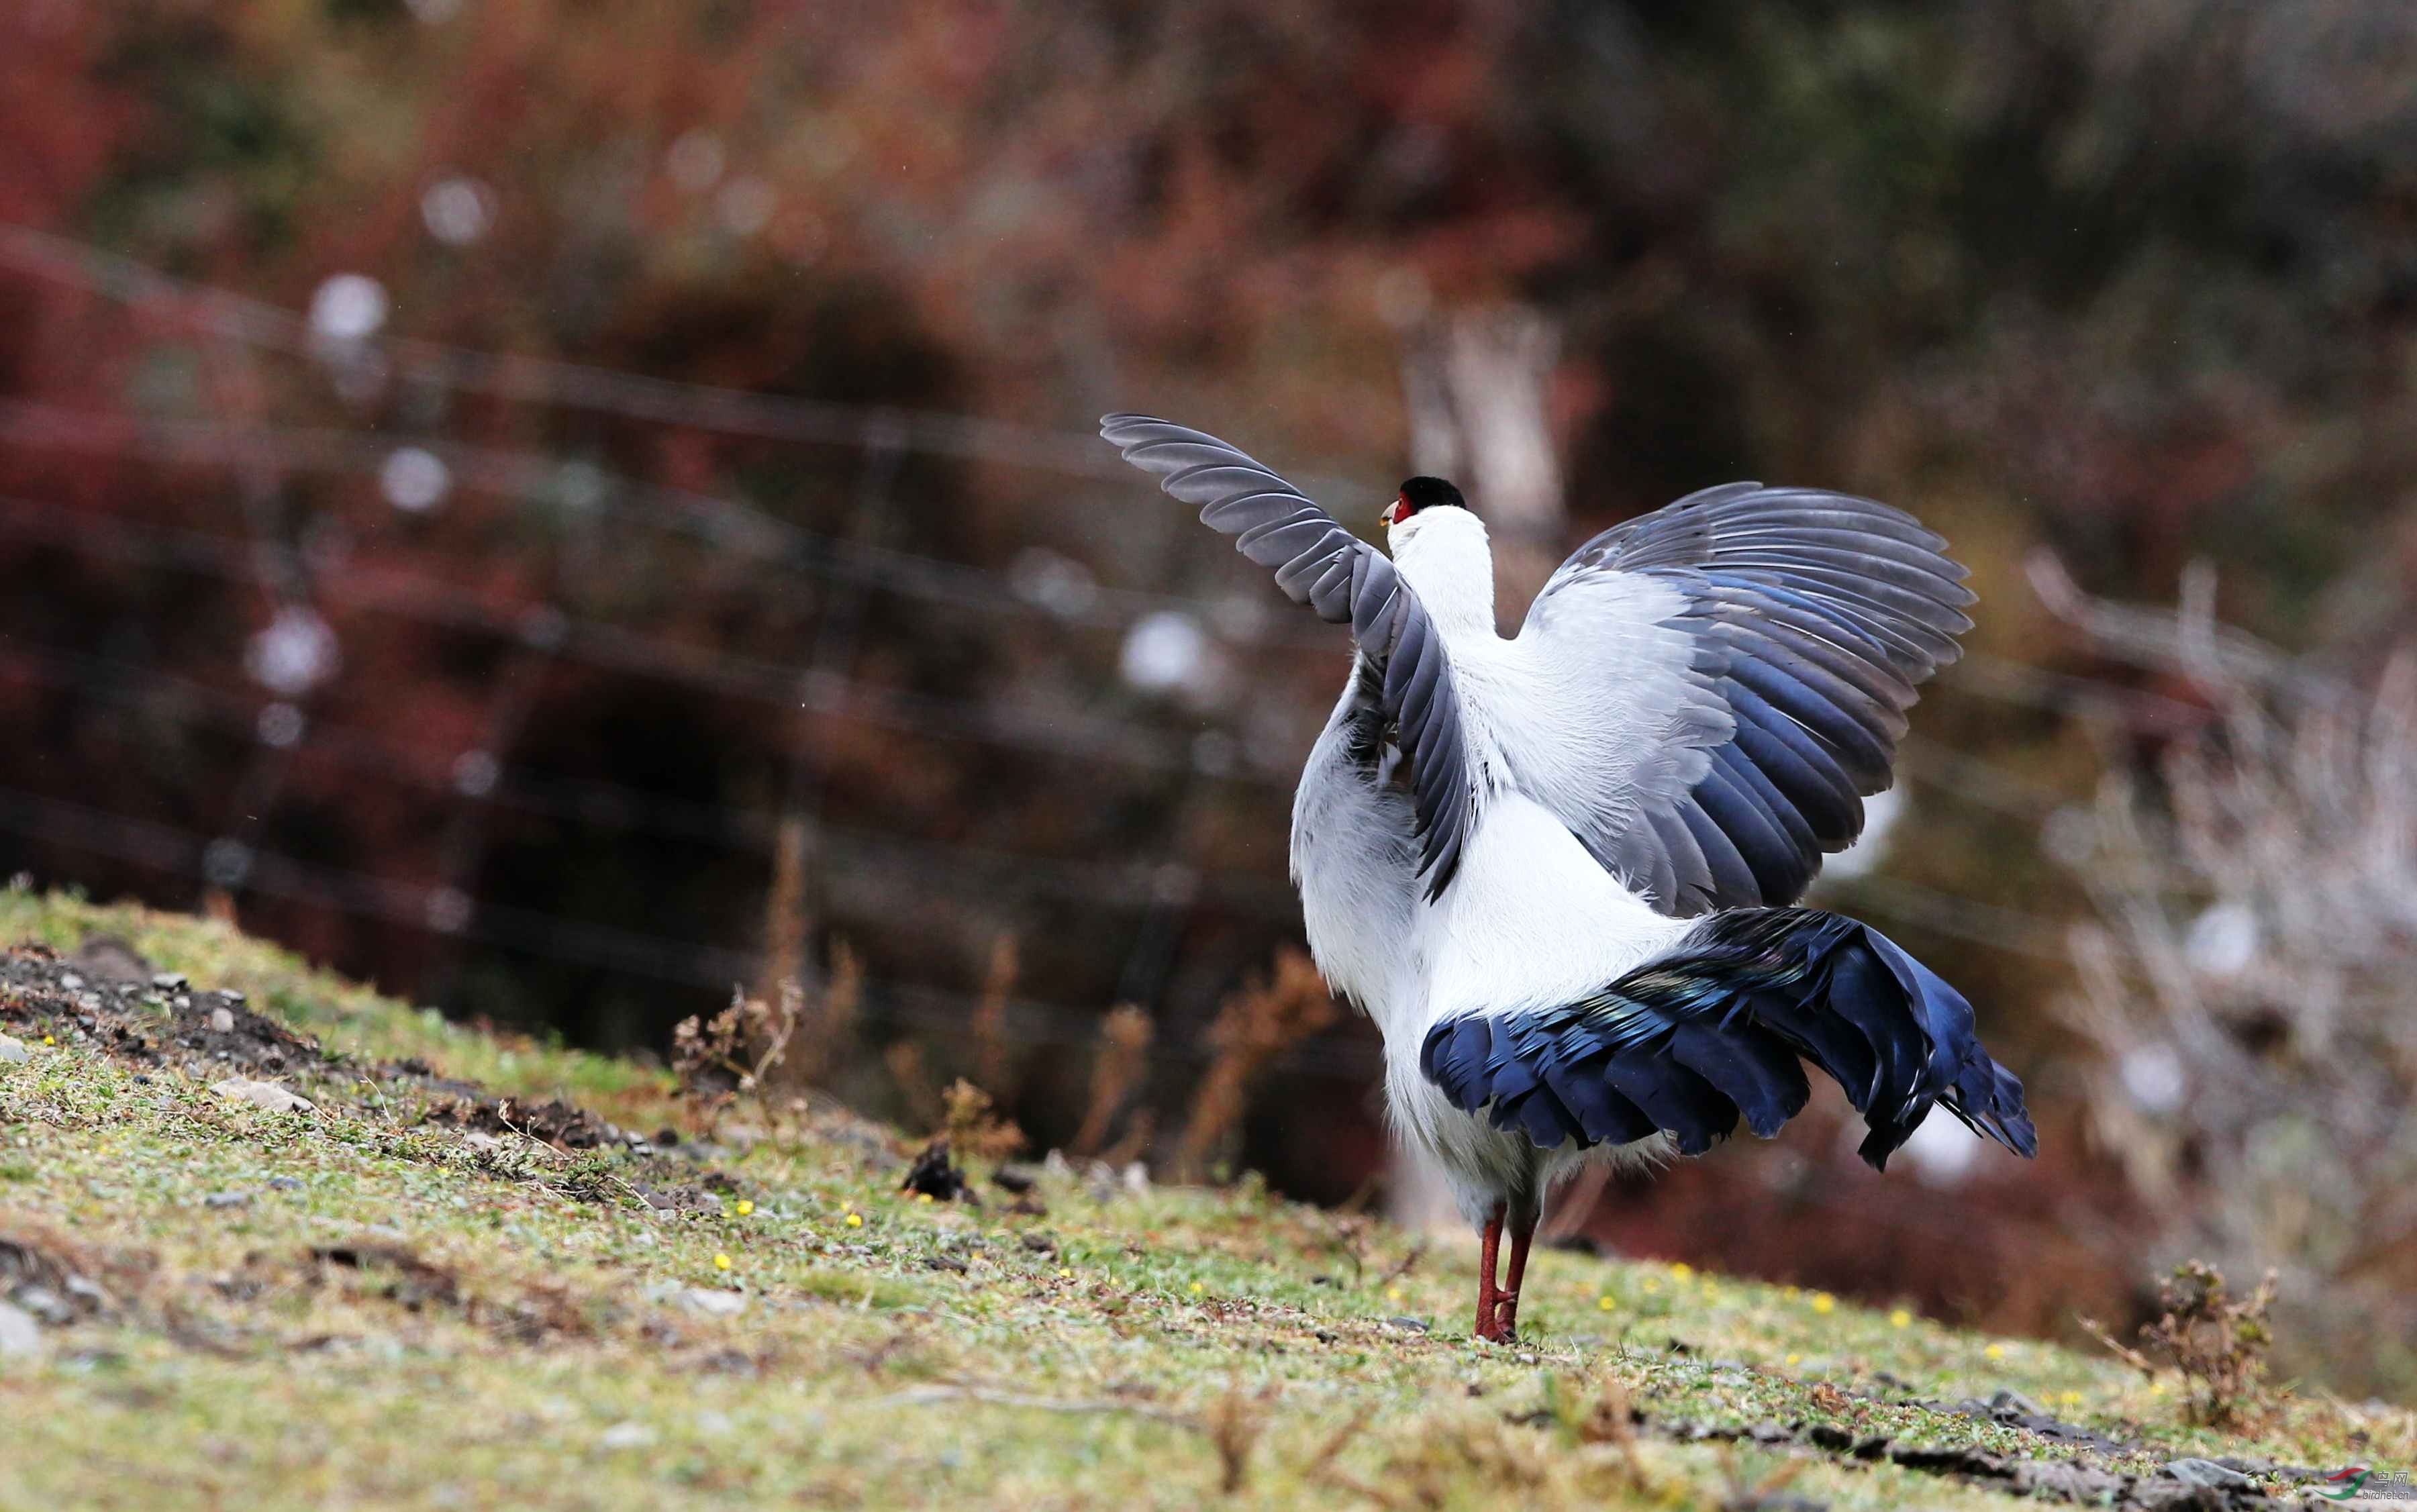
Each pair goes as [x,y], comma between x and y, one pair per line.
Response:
[1506,1303]
[1489,1299]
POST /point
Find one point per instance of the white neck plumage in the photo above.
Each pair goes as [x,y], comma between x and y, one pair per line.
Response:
[1443,554]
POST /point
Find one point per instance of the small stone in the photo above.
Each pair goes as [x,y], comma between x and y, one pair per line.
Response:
[70,982]
[233,996]
[2015,1401]
[14,1051]
[222,1020]
[169,981]
[2207,1473]
[266,1094]
[19,1333]
[1408,1326]
[285,1184]
[626,1436]
[45,1305]
[2061,1480]
[1136,1179]
[713,1302]
[227,1200]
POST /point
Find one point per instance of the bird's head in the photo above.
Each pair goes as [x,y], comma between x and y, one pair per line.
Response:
[1420,494]
[1440,546]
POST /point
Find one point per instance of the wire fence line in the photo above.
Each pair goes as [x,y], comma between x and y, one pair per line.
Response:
[568,488]
[261,456]
[230,316]
[210,311]
[609,647]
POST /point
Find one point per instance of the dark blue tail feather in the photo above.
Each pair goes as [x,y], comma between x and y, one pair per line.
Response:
[1690,1043]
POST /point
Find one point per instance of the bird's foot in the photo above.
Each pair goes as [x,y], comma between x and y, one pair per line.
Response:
[1489,1325]
[1505,1318]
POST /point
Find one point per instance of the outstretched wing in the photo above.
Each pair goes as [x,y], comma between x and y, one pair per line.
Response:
[1346,581]
[1719,684]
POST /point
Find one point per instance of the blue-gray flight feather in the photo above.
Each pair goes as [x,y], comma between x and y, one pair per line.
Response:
[1344,581]
[1765,644]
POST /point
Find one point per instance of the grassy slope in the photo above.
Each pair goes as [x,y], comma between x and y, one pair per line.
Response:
[554,1354]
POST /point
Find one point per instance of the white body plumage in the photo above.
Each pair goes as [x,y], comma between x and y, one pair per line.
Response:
[1531,919]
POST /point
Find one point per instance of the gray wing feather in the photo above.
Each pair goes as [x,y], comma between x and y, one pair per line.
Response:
[1743,750]
[1344,581]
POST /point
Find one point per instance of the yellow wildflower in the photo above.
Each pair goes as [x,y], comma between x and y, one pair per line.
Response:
[1681,1270]
[1995,1351]
[1794,1358]
[721,1262]
[1197,1289]
[1823,1302]
[1064,1274]
[856,1220]
[1900,1318]
[745,1207]
[1603,1303]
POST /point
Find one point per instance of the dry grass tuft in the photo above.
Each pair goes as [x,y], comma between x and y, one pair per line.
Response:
[827,1040]
[784,907]
[904,1058]
[1123,1058]
[1233,1425]
[993,1055]
[1139,1132]
[2218,1341]
[1254,1027]
[969,1125]
[717,1060]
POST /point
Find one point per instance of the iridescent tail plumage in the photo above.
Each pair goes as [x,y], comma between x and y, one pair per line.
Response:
[1717,1029]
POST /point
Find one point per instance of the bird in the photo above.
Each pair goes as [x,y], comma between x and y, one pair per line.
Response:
[1560,869]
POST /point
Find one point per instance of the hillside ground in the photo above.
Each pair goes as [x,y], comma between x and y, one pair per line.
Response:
[473,1272]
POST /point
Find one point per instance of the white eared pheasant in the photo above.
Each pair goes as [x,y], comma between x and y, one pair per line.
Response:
[1556,869]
